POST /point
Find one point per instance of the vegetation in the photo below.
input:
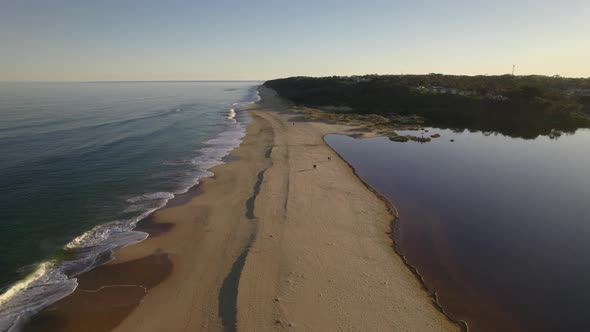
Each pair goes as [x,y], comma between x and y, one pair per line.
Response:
[518,106]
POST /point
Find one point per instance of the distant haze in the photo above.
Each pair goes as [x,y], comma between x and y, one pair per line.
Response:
[216,40]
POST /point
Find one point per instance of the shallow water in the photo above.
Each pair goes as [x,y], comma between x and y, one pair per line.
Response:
[83,162]
[498,226]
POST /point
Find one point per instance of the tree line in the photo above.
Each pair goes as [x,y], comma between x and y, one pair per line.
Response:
[518,106]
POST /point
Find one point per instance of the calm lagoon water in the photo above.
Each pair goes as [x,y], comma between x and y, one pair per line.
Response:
[82,163]
[499,227]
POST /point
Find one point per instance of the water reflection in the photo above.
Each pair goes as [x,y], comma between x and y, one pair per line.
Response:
[497,225]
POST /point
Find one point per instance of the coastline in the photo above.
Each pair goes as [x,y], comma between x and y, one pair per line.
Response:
[253,250]
[127,189]
[395,222]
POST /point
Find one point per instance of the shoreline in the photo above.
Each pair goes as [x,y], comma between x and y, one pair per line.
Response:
[232,293]
[395,222]
[125,258]
[53,277]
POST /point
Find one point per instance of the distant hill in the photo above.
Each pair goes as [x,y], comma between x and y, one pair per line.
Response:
[518,106]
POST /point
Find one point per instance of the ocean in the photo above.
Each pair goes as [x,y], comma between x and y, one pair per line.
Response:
[82,163]
[497,226]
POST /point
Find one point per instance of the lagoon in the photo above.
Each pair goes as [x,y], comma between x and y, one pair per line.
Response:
[497,226]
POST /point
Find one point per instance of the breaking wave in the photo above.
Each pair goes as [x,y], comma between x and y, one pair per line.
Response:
[55,279]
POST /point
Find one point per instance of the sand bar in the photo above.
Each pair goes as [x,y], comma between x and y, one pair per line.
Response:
[269,243]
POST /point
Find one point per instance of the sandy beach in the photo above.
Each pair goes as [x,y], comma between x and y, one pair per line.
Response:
[271,242]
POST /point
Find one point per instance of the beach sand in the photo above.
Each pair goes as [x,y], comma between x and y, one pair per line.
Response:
[268,243]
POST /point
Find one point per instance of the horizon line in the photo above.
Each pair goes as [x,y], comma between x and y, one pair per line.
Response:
[264,80]
[123,81]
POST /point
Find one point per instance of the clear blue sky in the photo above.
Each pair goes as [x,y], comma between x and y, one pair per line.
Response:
[184,40]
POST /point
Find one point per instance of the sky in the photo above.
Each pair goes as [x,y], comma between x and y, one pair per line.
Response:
[72,40]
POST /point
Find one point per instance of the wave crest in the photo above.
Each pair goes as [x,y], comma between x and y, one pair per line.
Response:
[53,280]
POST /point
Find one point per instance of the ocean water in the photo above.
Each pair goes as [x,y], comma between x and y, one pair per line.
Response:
[498,226]
[82,163]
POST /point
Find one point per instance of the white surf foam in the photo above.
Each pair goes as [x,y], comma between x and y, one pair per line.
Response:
[232,114]
[150,197]
[44,286]
[52,280]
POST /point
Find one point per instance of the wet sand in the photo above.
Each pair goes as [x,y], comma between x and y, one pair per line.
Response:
[269,243]
[105,296]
